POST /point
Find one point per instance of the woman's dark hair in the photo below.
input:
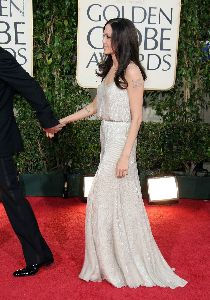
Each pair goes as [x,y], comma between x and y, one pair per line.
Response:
[125,43]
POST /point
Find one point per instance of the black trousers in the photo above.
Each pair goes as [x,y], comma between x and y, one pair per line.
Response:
[21,215]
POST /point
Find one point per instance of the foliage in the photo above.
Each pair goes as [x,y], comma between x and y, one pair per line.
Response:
[186,101]
[55,28]
[86,139]
[166,147]
[180,140]
[184,140]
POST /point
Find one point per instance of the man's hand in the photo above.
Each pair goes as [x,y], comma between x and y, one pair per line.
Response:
[50,132]
[50,135]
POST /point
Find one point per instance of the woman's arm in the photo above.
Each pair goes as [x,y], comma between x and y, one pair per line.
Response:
[135,92]
[83,113]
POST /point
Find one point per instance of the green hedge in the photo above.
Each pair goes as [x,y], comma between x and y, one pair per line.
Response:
[167,147]
[182,140]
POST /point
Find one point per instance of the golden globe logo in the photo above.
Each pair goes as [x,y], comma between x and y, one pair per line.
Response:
[157,23]
[16,31]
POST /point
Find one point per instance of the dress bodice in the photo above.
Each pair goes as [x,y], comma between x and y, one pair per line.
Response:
[112,103]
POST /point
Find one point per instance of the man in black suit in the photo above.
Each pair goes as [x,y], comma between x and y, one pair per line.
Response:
[14,79]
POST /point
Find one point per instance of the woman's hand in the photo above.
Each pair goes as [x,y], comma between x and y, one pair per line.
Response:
[50,132]
[65,120]
[122,167]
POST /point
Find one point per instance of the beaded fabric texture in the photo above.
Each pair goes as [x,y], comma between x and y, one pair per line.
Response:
[119,245]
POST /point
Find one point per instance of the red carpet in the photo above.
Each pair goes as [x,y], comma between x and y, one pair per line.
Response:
[182,232]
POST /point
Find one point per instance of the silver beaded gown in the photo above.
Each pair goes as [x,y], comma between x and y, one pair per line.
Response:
[119,245]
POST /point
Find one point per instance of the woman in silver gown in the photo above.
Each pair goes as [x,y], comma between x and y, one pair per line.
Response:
[119,245]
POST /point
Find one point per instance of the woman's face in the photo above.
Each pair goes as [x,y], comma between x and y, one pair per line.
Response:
[107,40]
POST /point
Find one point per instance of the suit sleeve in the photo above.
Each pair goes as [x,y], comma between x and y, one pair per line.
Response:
[21,82]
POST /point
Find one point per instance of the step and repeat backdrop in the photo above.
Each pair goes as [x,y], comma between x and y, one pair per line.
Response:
[16,30]
[157,23]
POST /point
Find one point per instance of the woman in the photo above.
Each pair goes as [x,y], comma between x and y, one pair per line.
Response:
[119,244]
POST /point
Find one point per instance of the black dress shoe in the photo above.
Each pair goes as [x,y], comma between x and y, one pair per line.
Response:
[32,269]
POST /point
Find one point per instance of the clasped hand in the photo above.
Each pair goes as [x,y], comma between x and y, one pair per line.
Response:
[50,132]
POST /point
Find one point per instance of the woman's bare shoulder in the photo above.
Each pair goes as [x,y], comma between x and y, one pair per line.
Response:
[133,74]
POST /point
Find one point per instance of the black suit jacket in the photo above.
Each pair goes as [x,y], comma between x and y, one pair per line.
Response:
[14,79]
